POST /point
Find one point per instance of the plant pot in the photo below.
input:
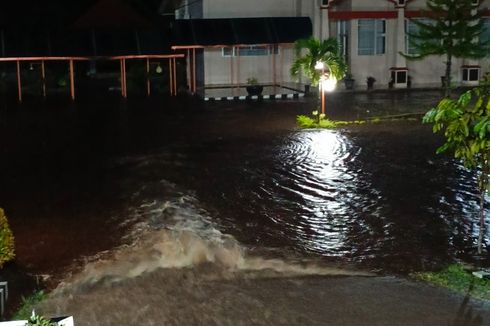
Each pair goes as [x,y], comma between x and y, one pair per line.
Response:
[254,89]
[349,83]
[443,81]
[307,90]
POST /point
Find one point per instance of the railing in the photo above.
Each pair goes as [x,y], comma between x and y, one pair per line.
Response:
[122,59]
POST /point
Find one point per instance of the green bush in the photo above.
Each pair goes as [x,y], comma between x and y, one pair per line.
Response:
[28,303]
[38,320]
[319,121]
[6,240]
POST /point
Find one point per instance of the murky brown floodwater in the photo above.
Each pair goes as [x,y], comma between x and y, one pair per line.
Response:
[232,184]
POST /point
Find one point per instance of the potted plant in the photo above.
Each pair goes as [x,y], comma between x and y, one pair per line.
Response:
[349,81]
[253,88]
[370,82]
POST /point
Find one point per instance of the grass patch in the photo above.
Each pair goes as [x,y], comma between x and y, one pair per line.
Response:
[318,121]
[28,304]
[456,278]
[305,121]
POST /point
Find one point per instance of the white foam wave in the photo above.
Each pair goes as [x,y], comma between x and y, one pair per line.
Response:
[183,237]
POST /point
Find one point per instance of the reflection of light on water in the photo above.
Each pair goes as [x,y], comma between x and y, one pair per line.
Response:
[322,182]
[465,203]
[325,147]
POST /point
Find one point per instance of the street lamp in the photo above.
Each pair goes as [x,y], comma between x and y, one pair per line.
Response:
[327,81]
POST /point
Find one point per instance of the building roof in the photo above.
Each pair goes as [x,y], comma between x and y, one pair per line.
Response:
[88,28]
[111,14]
[240,31]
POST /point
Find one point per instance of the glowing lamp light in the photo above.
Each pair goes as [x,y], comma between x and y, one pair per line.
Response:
[159,69]
[329,84]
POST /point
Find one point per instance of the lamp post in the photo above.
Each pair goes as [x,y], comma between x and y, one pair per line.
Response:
[327,81]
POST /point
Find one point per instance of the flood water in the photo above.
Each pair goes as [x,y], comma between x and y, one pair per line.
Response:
[123,189]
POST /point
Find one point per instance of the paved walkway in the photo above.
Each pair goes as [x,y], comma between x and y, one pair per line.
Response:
[186,298]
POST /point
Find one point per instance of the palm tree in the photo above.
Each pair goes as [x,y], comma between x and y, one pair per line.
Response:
[326,51]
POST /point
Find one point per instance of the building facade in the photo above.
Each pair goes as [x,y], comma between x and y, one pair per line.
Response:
[372,33]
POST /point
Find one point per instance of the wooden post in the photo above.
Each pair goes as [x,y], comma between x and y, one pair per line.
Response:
[238,66]
[274,79]
[194,69]
[125,79]
[19,86]
[170,76]
[232,72]
[121,77]
[148,85]
[281,64]
[189,71]
[43,78]
[72,81]
[175,75]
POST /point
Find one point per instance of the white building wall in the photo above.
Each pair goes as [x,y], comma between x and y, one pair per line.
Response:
[249,8]
[218,69]
[363,66]
[426,72]
[371,5]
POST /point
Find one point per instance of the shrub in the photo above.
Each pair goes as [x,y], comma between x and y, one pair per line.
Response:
[318,120]
[28,303]
[6,240]
[38,320]
[305,121]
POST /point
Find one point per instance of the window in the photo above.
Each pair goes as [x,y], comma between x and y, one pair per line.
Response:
[485,36]
[412,28]
[371,36]
[399,76]
[228,52]
[471,73]
[342,37]
[325,3]
[252,50]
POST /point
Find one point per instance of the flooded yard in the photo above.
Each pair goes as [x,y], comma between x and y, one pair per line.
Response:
[121,190]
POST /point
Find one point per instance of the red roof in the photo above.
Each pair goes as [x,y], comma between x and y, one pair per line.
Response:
[111,14]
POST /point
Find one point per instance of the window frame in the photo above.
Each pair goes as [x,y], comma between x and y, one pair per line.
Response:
[468,72]
[408,23]
[250,51]
[343,36]
[486,30]
[379,48]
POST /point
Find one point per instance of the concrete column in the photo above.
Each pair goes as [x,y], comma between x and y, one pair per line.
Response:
[317,22]
[325,32]
[400,60]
